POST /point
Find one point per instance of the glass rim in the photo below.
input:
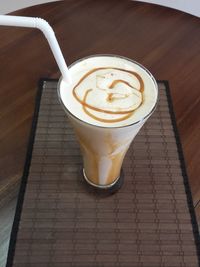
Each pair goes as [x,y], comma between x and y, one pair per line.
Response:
[109,127]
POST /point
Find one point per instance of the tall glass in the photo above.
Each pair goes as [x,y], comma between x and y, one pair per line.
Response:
[104,147]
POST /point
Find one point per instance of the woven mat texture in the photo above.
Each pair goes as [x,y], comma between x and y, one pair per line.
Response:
[147,223]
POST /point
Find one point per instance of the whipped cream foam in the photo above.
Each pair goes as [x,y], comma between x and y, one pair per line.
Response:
[109,91]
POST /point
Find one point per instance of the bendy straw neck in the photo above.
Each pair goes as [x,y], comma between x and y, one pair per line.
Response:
[43,25]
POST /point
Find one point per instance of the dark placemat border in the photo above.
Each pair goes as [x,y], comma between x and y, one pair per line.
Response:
[184,171]
[20,199]
[18,210]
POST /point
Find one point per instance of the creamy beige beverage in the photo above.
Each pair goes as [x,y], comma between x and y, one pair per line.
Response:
[108,101]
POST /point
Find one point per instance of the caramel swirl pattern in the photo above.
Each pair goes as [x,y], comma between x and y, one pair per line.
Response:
[109,87]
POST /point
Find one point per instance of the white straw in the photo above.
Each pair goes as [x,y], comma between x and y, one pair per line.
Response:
[47,30]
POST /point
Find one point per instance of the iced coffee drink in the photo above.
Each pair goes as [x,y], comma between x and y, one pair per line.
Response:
[108,101]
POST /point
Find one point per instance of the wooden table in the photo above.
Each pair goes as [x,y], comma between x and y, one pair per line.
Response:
[166,41]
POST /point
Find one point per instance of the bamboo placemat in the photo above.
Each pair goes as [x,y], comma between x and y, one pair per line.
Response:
[59,222]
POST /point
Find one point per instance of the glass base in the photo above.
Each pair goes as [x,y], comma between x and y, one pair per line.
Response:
[113,187]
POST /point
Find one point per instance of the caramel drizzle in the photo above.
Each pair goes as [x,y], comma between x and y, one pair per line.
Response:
[100,119]
[113,84]
[110,96]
